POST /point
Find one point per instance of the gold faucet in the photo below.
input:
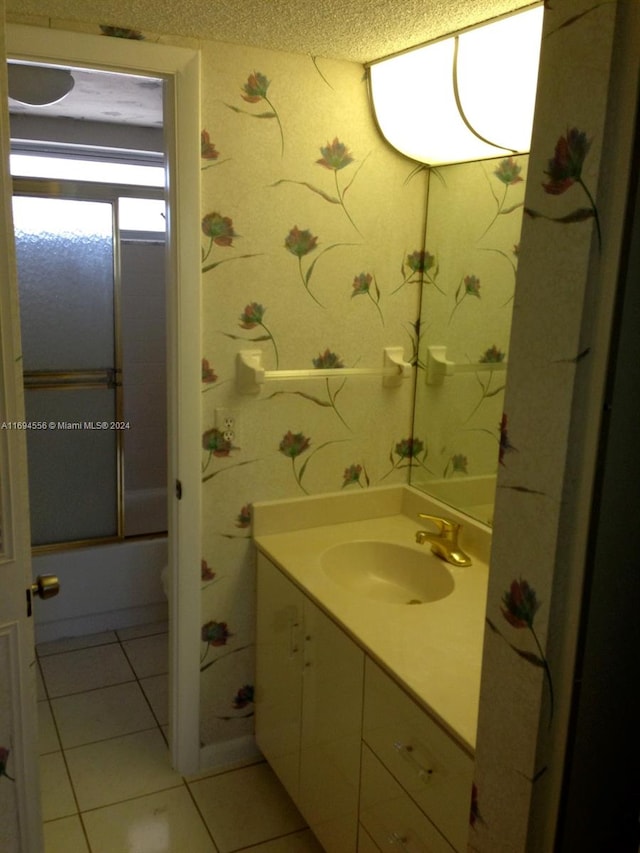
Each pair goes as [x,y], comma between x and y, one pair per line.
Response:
[444,543]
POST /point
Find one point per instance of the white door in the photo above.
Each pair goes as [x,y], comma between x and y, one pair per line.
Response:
[20,821]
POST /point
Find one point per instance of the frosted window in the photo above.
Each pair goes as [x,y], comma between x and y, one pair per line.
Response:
[142,214]
[75,169]
[144,357]
[65,263]
[72,468]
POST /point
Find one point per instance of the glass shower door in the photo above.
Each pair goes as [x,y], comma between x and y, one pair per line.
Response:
[66,261]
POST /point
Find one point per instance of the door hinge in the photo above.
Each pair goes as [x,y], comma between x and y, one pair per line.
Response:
[178,490]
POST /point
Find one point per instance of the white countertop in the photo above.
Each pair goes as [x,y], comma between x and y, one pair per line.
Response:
[434,650]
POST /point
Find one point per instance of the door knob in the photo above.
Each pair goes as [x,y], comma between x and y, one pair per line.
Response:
[45,586]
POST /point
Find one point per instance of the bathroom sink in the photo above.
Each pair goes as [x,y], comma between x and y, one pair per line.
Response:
[386,571]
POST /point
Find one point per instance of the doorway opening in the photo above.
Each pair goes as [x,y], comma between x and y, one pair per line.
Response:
[179,69]
[90,223]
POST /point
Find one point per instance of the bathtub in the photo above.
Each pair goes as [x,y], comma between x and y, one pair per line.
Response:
[102,588]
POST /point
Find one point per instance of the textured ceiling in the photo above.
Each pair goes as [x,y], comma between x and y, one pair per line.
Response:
[356,30]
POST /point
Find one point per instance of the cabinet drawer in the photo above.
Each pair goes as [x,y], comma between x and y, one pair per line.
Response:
[389,815]
[429,765]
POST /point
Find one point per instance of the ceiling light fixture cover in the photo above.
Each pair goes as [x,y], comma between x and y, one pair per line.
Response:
[467,97]
[38,85]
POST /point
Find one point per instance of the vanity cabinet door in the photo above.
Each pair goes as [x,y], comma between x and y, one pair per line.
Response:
[278,694]
[309,686]
[435,771]
[333,677]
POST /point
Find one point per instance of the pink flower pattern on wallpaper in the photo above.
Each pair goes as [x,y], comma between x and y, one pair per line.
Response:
[469,286]
[418,267]
[353,476]
[300,243]
[243,519]
[209,376]
[335,157]
[565,168]
[208,150]
[362,286]
[209,154]
[215,442]
[215,635]
[218,447]
[508,173]
[485,378]
[253,317]
[329,360]
[243,699]
[293,445]
[409,451]
[504,442]
[519,607]
[456,464]
[493,355]
[206,572]
[255,91]
[564,171]
[220,231]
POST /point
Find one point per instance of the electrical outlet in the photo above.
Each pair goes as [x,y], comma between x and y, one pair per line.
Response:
[226,424]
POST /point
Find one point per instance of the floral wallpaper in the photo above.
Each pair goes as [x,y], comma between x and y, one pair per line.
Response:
[474,217]
[299,262]
[314,251]
[540,519]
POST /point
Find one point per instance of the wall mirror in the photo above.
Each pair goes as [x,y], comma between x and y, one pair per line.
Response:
[476,184]
[475,199]
[474,217]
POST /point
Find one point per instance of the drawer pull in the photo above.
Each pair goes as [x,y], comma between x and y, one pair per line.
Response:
[406,750]
[398,840]
[293,641]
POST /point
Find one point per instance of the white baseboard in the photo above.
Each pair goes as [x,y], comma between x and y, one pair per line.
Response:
[96,623]
[230,754]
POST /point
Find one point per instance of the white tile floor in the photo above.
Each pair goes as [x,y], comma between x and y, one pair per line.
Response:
[107,786]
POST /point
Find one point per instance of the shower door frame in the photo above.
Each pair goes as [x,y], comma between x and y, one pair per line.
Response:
[180,70]
[42,379]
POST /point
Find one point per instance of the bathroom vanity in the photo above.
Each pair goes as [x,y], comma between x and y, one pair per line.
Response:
[368,656]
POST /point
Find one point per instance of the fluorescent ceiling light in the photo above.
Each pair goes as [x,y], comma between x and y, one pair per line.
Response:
[467,97]
[38,85]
